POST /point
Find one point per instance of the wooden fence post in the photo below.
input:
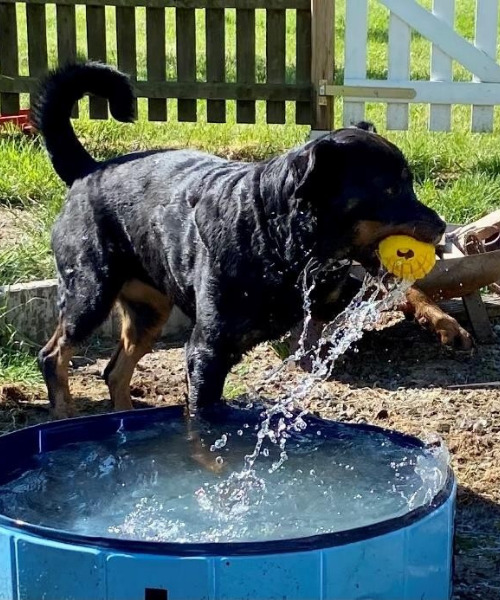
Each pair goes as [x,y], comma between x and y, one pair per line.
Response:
[323,61]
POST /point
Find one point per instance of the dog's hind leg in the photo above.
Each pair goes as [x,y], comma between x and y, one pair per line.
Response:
[84,303]
[53,360]
[144,313]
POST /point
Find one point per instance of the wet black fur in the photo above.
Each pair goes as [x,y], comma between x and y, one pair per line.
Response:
[229,241]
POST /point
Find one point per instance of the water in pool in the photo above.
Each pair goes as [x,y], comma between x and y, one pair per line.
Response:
[144,485]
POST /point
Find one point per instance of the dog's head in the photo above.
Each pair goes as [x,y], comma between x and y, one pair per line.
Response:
[360,189]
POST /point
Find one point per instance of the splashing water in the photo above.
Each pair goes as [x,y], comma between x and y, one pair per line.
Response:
[287,414]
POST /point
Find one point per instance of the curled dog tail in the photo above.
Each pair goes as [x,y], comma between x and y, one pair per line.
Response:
[51,112]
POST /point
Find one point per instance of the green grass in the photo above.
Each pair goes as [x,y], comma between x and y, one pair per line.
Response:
[17,360]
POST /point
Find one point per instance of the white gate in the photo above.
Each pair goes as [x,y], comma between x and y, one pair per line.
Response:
[440,91]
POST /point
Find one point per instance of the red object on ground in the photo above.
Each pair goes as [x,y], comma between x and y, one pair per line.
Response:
[21,119]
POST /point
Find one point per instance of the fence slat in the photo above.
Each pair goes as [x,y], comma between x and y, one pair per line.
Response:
[303,110]
[356,39]
[156,59]
[216,60]
[9,103]
[37,39]
[486,40]
[245,61]
[66,34]
[441,68]
[185,19]
[126,42]
[276,60]
[66,39]
[399,69]
[96,50]
[323,60]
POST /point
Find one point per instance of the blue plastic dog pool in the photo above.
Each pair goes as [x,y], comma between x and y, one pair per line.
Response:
[408,557]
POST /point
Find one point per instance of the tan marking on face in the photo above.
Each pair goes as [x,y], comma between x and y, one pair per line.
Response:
[370,232]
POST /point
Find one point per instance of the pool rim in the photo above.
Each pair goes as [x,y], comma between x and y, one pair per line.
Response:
[216,549]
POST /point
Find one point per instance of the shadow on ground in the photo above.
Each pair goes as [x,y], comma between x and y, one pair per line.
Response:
[406,355]
[477,547]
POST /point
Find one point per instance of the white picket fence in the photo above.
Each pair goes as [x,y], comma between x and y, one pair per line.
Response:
[440,91]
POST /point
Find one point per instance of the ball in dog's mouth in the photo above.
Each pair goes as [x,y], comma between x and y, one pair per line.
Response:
[406,258]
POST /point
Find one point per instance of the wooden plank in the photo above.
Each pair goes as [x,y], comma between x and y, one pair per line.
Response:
[245,61]
[303,53]
[199,90]
[486,41]
[96,50]
[356,40]
[441,67]
[185,20]
[216,60]
[9,61]
[456,307]
[479,319]
[37,39]
[126,42]
[323,60]
[66,39]
[445,38]
[434,92]
[156,59]
[66,34]
[275,61]
[399,69]
[244,4]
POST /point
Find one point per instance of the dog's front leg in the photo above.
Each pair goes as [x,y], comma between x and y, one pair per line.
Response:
[429,314]
[208,364]
[207,367]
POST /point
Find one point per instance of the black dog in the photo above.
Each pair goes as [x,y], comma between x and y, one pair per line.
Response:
[226,241]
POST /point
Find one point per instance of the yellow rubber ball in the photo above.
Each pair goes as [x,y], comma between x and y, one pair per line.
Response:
[406,257]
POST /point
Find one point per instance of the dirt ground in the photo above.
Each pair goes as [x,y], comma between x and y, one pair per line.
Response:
[398,378]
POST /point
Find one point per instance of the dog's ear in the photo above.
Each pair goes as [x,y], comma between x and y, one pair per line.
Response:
[311,165]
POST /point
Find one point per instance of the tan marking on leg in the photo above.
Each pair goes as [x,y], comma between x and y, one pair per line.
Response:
[429,314]
[136,339]
[56,356]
